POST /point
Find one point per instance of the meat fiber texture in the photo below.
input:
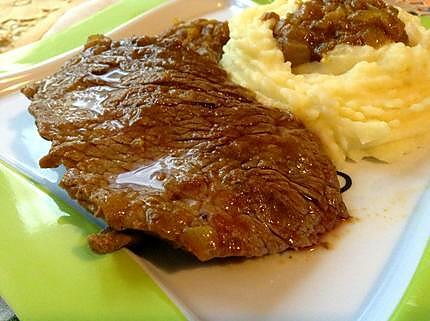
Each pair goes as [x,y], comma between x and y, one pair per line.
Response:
[156,140]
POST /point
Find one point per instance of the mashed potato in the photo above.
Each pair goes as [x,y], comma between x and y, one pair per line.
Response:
[359,100]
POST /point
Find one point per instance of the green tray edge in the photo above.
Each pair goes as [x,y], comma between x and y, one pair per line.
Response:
[415,303]
[426,21]
[43,242]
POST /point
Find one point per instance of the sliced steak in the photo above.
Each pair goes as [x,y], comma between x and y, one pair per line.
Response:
[157,140]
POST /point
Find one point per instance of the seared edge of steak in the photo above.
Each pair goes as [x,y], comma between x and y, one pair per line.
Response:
[155,138]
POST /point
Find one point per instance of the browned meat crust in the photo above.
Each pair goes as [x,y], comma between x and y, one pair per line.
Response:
[156,139]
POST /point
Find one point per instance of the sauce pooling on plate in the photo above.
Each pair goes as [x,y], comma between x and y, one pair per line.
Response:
[317,26]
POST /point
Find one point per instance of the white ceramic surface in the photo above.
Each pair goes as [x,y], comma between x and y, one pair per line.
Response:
[361,276]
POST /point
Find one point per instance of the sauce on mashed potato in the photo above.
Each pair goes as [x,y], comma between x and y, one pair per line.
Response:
[361,101]
[317,26]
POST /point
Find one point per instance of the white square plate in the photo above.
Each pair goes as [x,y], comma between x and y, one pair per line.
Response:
[361,276]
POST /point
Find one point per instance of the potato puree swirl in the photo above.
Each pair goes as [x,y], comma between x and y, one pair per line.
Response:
[360,101]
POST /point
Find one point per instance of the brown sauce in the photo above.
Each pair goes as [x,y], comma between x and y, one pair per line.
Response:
[317,26]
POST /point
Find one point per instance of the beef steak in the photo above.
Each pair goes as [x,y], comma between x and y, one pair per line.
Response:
[157,140]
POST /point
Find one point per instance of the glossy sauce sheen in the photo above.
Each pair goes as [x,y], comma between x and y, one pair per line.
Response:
[319,25]
[157,140]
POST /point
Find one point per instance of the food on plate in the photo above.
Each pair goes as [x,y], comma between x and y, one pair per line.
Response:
[157,140]
[368,97]
[318,26]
